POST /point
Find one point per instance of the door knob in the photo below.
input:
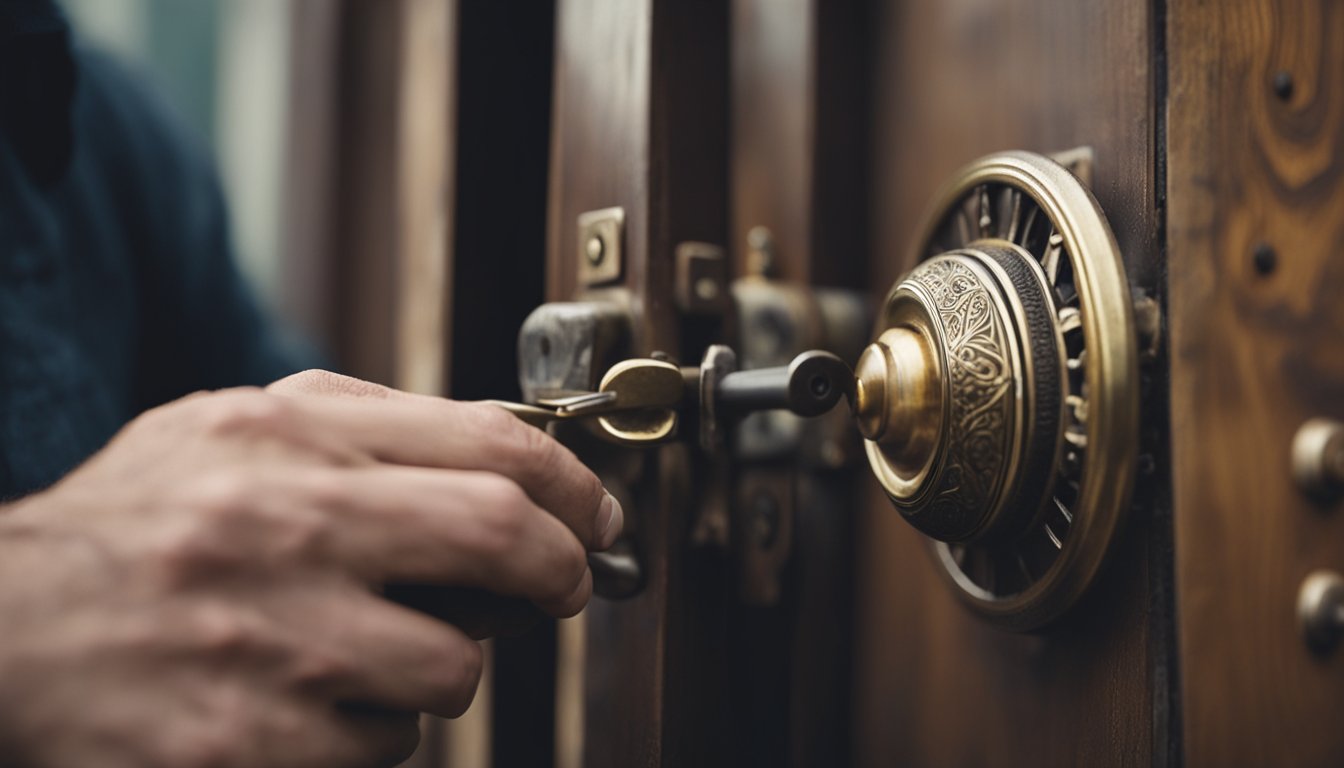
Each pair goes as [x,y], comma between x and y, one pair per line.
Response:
[999,399]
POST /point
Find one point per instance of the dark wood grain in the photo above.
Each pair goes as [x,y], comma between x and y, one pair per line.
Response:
[954,80]
[639,121]
[1254,354]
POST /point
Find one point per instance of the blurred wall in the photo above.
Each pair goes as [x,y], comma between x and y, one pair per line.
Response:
[223,67]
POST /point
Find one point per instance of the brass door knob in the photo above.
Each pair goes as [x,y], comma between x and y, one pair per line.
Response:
[999,398]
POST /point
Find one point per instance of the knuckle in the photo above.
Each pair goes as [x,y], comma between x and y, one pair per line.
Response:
[316,381]
[224,632]
[247,411]
[457,677]
[318,671]
[304,535]
[504,515]
[510,441]
[196,546]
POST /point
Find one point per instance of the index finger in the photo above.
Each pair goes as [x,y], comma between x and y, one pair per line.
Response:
[419,430]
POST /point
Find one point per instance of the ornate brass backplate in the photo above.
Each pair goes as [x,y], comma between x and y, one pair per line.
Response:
[999,401]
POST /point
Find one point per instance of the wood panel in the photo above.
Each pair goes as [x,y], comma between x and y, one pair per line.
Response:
[956,79]
[639,121]
[1255,163]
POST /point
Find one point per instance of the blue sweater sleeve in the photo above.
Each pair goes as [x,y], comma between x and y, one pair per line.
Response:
[118,287]
[200,324]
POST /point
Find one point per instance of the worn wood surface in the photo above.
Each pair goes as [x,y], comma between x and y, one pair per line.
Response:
[956,79]
[1254,353]
[639,121]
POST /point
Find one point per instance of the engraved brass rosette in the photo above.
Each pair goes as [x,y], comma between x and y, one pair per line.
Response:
[999,401]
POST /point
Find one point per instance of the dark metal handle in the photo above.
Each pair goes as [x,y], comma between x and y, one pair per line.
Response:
[809,386]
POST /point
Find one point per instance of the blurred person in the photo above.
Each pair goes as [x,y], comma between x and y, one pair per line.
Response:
[210,578]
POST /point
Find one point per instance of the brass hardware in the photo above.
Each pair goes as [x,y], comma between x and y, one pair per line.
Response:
[565,347]
[1318,459]
[999,401]
[1148,326]
[647,393]
[559,409]
[616,573]
[701,279]
[1320,610]
[600,245]
[969,397]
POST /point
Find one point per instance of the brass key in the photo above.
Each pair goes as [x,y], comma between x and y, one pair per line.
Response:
[635,403]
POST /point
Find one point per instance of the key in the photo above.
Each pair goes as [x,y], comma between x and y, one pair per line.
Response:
[558,409]
[636,402]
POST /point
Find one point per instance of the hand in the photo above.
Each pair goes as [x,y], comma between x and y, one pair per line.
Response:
[206,590]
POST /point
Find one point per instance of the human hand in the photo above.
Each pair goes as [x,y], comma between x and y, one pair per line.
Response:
[206,589]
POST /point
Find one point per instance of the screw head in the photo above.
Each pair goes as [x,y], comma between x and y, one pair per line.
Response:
[595,250]
[706,289]
[1283,84]
[1264,258]
[764,518]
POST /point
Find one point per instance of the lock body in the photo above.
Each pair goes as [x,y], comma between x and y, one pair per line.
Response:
[999,398]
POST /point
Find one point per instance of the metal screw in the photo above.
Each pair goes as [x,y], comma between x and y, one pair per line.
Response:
[1283,84]
[1320,610]
[1318,459]
[595,250]
[1264,258]
[761,252]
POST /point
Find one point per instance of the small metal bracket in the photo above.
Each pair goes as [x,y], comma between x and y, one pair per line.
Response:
[1148,325]
[701,286]
[600,246]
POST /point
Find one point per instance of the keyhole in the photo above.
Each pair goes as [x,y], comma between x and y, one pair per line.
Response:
[820,386]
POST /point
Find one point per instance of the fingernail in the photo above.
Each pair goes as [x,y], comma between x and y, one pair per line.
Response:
[610,519]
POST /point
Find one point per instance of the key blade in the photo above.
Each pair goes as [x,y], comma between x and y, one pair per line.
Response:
[529,414]
[585,404]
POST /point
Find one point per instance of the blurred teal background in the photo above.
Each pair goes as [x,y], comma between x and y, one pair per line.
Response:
[224,67]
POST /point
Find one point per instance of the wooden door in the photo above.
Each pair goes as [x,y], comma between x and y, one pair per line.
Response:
[1214,133]
[954,80]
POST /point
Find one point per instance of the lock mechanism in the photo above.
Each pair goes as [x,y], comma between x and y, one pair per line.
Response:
[999,400]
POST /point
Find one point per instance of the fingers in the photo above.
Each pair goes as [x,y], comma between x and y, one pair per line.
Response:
[397,524]
[385,657]
[477,613]
[401,428]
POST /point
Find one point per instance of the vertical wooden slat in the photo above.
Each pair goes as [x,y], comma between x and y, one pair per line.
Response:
[308,276]
[640,122]
[366,218]
[424,168]
[1256,350]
